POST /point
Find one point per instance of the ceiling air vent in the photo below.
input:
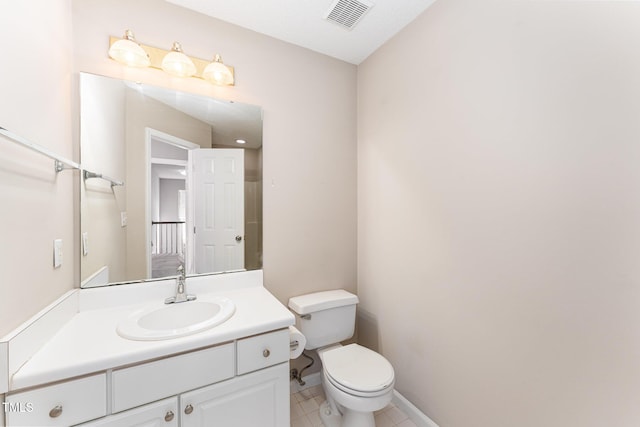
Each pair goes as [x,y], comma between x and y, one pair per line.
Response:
[347,12]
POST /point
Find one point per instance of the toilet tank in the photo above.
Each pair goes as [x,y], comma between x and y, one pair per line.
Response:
[326,317]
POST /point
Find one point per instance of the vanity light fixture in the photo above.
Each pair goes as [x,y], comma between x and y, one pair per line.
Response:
[177,63]
[217,73]
[127,51]
[174,62]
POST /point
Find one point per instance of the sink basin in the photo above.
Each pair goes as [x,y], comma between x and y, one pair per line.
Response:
[166,321]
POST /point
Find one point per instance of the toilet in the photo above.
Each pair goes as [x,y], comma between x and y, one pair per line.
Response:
[356,381]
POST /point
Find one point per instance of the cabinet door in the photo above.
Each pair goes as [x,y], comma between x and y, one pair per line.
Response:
[159,414]
[257,399]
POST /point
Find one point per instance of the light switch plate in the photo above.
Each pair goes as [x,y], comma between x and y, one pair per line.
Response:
[57,253]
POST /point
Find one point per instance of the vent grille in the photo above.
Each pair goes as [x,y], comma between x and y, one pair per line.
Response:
[347,12]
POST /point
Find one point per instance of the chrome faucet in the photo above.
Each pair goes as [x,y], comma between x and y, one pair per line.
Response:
[181,295]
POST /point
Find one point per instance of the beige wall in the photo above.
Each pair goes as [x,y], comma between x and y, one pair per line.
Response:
[37,204]
[499,212]
[309,139]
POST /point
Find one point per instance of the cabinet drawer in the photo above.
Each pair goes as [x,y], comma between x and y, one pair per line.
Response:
[163,413]
[62,404]
[145,383]
[263,350]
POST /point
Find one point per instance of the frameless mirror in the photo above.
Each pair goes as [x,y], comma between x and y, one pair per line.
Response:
[170,178]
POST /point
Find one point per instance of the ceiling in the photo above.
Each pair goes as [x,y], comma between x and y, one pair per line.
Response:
[303,23]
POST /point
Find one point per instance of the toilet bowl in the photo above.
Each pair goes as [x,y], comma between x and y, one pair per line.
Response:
[357,381]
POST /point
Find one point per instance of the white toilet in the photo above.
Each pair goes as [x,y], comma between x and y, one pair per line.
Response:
[357,381]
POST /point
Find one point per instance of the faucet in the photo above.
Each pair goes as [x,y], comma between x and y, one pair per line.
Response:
[181,295]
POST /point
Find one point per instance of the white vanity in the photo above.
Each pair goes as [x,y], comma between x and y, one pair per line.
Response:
[69,366]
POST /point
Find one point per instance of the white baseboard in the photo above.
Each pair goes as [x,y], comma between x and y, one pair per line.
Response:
[414,414]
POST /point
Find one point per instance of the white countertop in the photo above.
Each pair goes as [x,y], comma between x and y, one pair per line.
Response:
[88,342]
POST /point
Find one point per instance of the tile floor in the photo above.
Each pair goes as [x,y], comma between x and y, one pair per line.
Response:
[305,405]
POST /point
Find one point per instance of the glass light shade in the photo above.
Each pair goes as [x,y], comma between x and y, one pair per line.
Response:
[218,73]
[128,52]
[177,63]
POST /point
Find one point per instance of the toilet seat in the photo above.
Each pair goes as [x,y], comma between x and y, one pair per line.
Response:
[358,371]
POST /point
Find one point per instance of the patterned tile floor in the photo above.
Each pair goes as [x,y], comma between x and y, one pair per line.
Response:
[306,403]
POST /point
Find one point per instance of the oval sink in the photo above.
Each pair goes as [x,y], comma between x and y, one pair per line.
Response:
[175,320]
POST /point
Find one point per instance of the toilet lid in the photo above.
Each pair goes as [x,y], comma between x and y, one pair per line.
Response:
[357,368]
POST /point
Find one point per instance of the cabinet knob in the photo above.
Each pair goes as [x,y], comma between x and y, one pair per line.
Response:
[169,416]
[266,352]
[188,409]
[56,411]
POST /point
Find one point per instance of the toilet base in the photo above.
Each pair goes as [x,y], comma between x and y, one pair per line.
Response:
[349,419]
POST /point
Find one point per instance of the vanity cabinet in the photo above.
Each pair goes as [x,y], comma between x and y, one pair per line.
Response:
[83,373]
[235,384]
[257,399]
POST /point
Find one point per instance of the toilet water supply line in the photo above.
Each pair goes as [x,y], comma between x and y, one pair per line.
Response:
[298,375]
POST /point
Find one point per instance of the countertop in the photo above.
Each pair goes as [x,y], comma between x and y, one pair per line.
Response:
[88,342]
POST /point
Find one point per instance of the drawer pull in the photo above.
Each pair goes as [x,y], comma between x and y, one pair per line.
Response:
[188,409]
[266,352]
[169,416]
[56,411]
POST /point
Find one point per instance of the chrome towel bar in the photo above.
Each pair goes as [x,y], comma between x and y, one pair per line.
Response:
[60,162]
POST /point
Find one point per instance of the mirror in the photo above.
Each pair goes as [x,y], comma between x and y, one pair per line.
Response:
[166,183]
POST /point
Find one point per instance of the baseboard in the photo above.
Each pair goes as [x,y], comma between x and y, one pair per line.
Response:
[414,414]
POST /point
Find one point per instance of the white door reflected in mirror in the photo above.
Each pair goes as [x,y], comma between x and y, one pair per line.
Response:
[218,182]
